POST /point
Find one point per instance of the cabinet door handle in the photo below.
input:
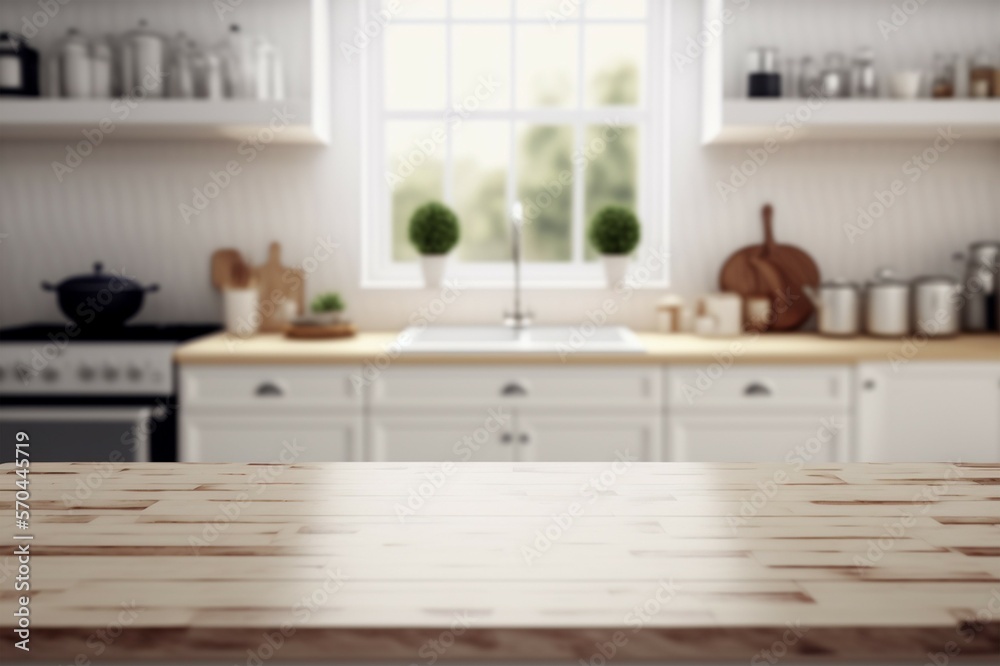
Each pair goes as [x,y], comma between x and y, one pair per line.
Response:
[269,390]
[506,438]
[756,389]
[869,385]
[513,389]
[524,438]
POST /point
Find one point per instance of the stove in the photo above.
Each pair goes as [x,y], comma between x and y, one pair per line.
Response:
[91,395]
[58,359]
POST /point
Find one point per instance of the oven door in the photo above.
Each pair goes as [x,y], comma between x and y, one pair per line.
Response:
[79,433]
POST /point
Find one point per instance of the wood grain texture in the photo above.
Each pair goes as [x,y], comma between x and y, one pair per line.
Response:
[512,561]
[775,348]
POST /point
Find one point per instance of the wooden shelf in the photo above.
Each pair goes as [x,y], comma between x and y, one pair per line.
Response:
[753,121]
[291,121]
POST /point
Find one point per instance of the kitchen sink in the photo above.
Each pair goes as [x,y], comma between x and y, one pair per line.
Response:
[501,339]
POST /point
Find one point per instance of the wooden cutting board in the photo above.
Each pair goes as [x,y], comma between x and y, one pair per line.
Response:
[324,332]
[279,285]
[775,271]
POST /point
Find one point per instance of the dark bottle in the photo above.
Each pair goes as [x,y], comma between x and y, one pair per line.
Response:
[18,66]
[763,79]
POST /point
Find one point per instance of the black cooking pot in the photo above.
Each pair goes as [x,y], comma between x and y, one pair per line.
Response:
[99,300]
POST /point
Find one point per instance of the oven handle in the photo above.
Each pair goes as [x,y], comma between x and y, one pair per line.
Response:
[136,415]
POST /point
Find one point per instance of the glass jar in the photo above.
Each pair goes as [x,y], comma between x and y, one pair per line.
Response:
[864,79]
[834,79]
[981,75]
[808,78]
[943,81]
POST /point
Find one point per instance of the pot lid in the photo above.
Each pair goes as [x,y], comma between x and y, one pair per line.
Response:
[885,277]
[942,280]
[98,279]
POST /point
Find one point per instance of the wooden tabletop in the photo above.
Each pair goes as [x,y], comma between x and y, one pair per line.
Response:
[772,349]
[419,563]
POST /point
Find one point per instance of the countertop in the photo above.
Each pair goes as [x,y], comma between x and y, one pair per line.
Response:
[774,348]
[417,563]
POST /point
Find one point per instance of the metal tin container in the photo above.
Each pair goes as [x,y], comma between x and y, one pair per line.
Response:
[838,304]
[887,306]
[936,304]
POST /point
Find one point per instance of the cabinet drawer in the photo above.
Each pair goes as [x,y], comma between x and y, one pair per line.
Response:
[266,439]
[697,387]
[443,387]
[261,387]
[796,440]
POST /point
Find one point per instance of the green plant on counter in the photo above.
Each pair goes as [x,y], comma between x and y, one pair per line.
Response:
[615,230]
[328,302]
[434,229]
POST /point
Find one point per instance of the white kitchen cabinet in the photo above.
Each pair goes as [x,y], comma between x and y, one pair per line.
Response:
[780,438]
[269,438]
[551,413]
[582,438]
[928,412]
[403,438]
[579,388]
[282,387]
[258,413]
[758,414]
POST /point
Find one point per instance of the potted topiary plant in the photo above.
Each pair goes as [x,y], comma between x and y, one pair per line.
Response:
[326,308]
[434,232]
[615,233]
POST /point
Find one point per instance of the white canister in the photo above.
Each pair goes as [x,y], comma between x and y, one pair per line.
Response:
[726,310]
[74,66]
[936,306]
[240,312]
[146,52]
[838,308]
[887,306]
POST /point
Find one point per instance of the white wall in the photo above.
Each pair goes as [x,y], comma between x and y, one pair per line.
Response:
[121,206]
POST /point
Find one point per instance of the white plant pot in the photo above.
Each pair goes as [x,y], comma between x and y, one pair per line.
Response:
[615,268]
[434,266]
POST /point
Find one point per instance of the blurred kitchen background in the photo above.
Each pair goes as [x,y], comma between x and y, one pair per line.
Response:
[666,168]
[121,204]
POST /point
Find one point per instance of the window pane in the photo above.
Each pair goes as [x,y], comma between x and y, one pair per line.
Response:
[415,67]
[611,171]
[546,66]
[481,153]
[615,54]
[466,9]
[415,175]
[545,187]
[551,10]
[481,67]
[410,9]
[616,9]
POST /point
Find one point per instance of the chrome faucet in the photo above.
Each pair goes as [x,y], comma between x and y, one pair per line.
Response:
[517,319]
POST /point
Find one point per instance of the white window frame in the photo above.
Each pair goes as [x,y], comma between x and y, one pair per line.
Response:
[378,270]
